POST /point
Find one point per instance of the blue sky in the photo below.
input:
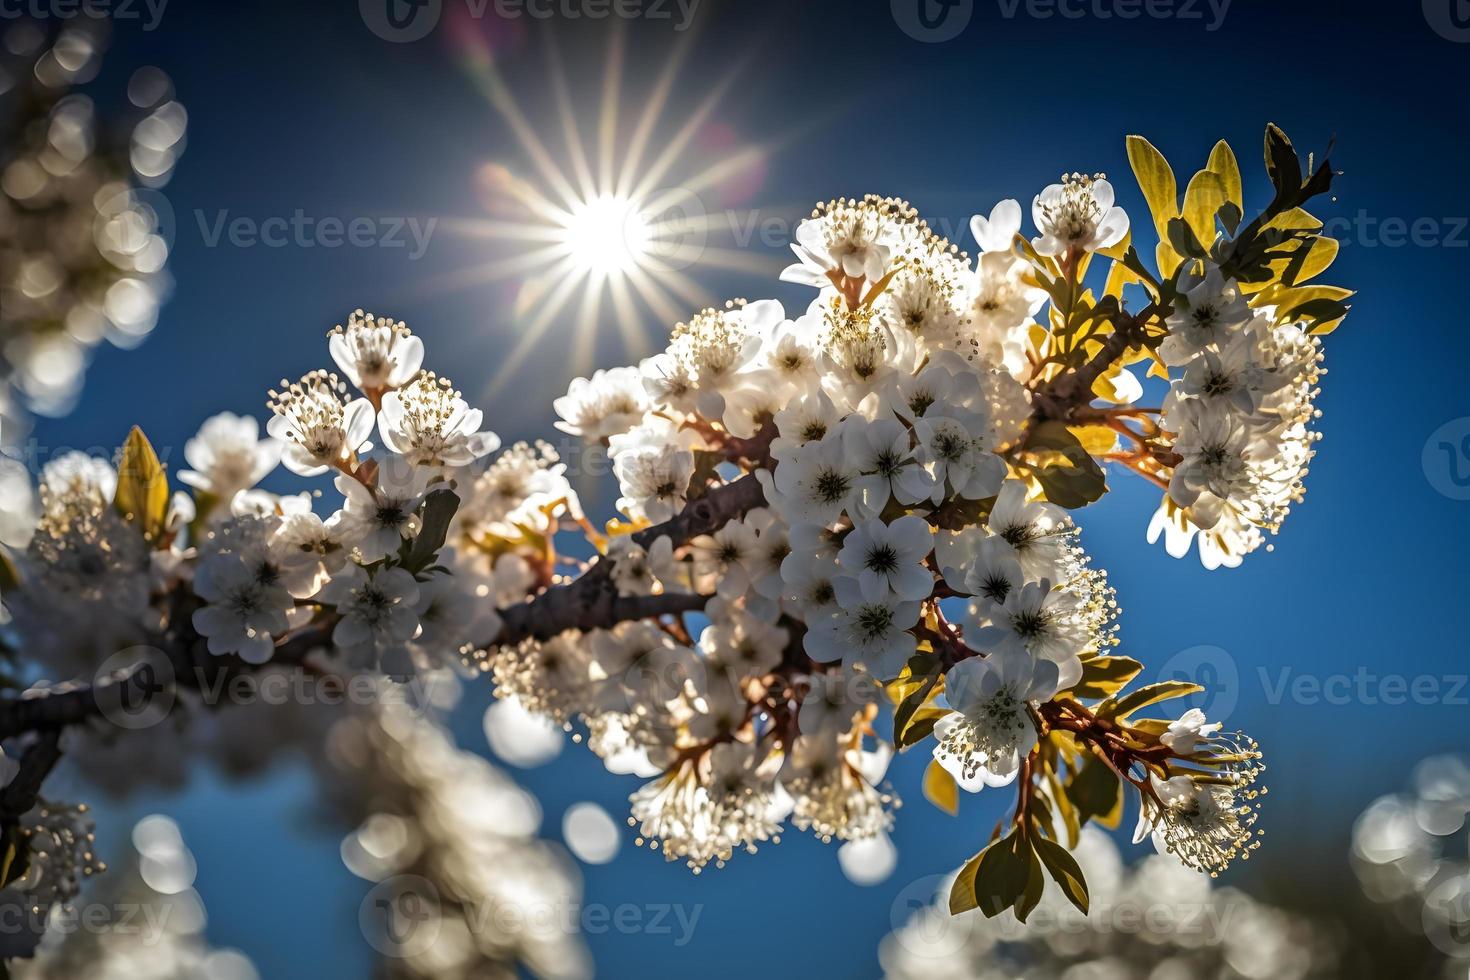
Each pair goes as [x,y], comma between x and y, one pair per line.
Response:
[302,107]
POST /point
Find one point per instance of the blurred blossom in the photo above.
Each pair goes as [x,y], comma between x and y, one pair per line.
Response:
[450,832]
[1152,921]
[519,737]
[868,861]
[83,237]
[1410,853]
[154,923]
[591,833]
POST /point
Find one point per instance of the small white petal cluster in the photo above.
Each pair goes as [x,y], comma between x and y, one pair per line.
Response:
[263,567]
[1240,406]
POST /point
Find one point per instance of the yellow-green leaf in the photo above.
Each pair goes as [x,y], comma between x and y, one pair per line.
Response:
[1064,870]
[142,486]
[9,577]
[1105,676]
[941,789]
[1145,696]
[1202,199]
[1222,162]
[1156,180]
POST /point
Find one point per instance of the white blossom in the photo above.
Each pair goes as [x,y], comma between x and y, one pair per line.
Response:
[228,456]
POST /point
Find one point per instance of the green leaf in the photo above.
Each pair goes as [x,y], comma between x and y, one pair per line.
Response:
[1064,870]
[941,789]
[959,513]
[1105,676]
[1035,885]
[1282,163]
[1001,879]
[962,892]
[921,726]
[439,509]
[1309,260]
[706,472]
[1183,240]
[15,854]
[142,486]
[1096,792]
[1063,807]
[1145,696]
[1321,314]
[1065,469]
[913,690]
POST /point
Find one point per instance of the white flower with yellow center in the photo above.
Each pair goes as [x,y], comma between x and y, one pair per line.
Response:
[989,730]
[318,429]
[375,353]
[429,424]
[1077,214]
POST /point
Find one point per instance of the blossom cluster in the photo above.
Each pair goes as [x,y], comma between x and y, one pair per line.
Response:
[858,515]
[1241,411]
[82,242]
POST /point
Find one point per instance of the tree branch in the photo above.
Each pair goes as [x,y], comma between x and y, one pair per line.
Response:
[35,765]
[592,601]
[73,703]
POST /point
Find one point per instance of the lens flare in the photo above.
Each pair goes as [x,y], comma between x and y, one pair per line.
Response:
[608,235]
[610,232]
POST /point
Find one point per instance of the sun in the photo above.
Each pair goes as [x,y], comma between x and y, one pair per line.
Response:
[611,230]
[609,235]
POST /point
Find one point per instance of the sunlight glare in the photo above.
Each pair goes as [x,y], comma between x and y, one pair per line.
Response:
[608,235]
